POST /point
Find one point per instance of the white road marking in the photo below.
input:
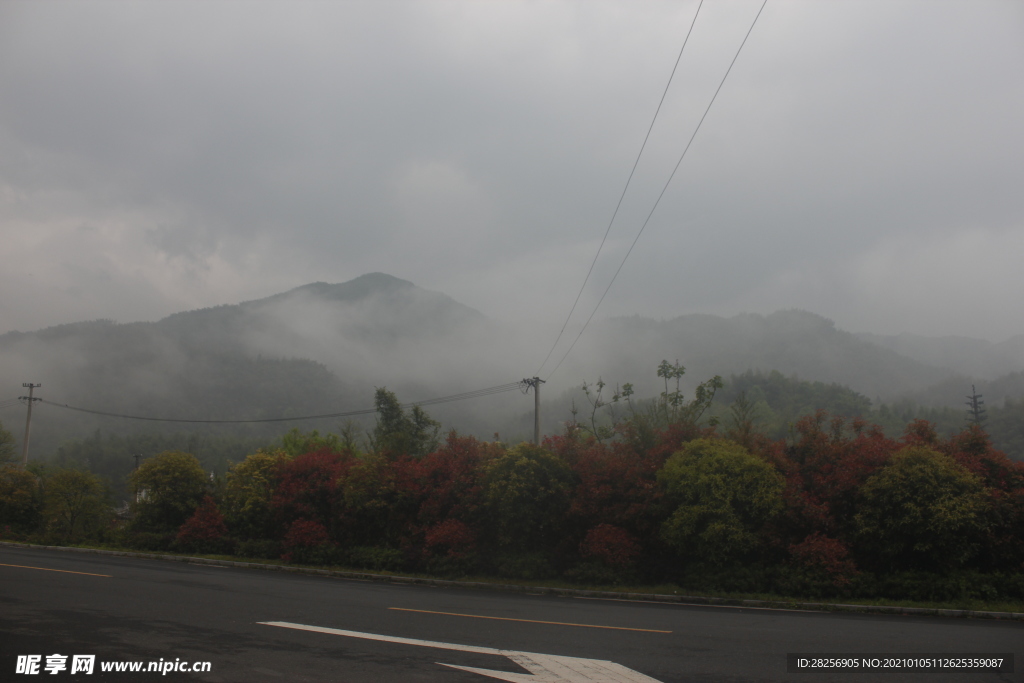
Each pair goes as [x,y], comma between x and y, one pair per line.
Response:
[543,668]
[559,669]
[385,639]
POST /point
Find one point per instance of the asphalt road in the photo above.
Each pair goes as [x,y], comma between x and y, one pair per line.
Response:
[130,609]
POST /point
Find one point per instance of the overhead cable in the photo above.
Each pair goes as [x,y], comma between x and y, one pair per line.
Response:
[663,189]
[489,391]
[623,195]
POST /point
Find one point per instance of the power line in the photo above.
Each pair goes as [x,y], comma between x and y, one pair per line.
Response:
[169,419]
[499,389]
[623,195]
[479,393]
[663,189]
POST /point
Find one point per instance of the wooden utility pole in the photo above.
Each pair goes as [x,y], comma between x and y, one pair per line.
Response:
[136,488]
[535,382]
[28,420]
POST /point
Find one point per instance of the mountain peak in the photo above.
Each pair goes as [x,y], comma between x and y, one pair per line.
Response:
[357,288]
[353,290]
[401,293]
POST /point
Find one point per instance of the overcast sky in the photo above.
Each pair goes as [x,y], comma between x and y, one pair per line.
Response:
[864,160]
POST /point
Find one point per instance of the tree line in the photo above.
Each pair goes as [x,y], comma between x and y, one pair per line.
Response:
[656,491]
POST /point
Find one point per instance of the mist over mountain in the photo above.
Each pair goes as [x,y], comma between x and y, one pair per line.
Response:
[953,391]
[322,348]
[315,349]
[977,358]
[309,321]
[792,342]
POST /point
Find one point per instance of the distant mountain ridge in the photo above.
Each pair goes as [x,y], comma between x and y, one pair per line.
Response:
[375,312]
[251,360]
[323,348]
[967,356]
[793,342]
[358,289]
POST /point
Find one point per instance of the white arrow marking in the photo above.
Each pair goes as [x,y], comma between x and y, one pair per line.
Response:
[559,669]
[543,668]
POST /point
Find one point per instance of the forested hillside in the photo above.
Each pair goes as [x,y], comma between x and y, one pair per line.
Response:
[324,348]
[791,342]
[238,362]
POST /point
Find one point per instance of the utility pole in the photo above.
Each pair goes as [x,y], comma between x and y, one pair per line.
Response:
[28,419]
[136,456]
[535,382]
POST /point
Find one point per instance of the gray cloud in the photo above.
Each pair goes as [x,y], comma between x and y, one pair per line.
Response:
[863,160]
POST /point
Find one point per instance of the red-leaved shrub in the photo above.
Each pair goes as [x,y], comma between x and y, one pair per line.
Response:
[451,537]
[205,529]
[610,544]
[306,533]
[308,487]
[308,542]
[820,553]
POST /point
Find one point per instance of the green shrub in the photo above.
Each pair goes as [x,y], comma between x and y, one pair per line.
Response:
[931,587]
[453,566]
[921,511]
[723,497]
[376,559]
[75,505]
[213,546]
[148,540]
[323,554]
[261,548]
[526,498]
[596,574]
[527,566]
[171,486]
[21,499]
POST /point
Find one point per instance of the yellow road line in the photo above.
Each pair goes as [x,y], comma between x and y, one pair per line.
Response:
[529,621]
[46,569]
